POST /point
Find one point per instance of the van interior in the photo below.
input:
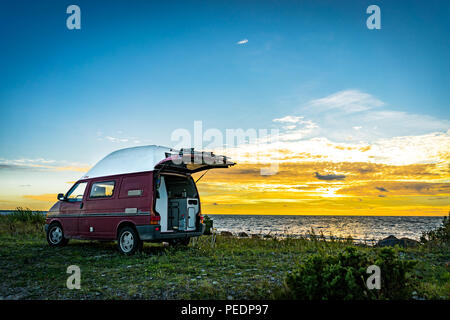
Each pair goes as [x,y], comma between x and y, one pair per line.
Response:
[177,202]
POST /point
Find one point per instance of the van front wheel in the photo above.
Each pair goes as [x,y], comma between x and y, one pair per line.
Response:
[55,235]
[128,241]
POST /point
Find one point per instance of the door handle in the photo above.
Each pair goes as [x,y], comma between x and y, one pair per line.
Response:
[81,205]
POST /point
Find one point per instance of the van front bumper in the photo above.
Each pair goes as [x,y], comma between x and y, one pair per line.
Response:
[149,233]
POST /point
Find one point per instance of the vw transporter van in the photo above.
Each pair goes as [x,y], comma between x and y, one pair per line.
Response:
[134,195]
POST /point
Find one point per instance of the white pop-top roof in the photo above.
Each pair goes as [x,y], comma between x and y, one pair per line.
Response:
[129,160]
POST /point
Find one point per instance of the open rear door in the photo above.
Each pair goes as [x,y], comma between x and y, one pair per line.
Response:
[176,204]
[190,161]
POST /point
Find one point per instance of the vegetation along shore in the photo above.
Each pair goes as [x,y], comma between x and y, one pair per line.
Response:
[221,267]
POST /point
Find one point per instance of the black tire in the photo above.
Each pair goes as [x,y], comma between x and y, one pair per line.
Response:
[180,242]
[128,241]
[55,235]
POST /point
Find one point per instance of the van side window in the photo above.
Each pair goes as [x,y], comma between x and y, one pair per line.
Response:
[102,189]
[134,186]
[134,193]
[76,192]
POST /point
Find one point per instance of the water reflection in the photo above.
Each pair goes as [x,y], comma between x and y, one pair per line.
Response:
[359,228]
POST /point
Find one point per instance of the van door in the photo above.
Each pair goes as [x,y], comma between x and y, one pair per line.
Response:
[71,209]
[192,210]
[190,161]
[162,202]
[101,210]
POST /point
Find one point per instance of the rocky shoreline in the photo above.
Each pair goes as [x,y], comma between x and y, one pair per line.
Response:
[402,242]
[389,241]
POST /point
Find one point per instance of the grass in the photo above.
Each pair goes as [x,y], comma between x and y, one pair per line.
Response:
[232,268]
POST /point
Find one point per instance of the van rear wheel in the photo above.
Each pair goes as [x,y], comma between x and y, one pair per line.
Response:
[128,241]
[55,235]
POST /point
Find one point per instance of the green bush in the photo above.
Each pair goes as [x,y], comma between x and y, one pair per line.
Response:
[26,215]
[22,222]
[343,277]
[440,236]
[397,282]
[208,224]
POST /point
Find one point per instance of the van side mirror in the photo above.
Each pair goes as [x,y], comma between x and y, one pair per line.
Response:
[61,197]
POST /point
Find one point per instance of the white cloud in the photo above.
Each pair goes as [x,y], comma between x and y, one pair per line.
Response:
[353,115]
[116,140]
[404,120]
[348,101]
[429,148]
[356,127]
[295,128]
[244,41]
[127,140]
[39,163]
[288,119]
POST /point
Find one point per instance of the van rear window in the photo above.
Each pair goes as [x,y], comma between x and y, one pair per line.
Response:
[102,189]
[135,186]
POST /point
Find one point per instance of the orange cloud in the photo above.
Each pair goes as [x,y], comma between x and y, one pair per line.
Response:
[389,188]
[380,189]
[47,197]
[367,189]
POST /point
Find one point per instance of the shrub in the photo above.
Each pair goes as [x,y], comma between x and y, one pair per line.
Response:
[396,279]
[343,277]
[440,236]
[26,215]
[23,222]
[208,224]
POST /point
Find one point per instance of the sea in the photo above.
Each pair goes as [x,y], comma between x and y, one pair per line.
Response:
[360,228]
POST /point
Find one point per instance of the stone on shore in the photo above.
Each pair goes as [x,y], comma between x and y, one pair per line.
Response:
[409,243]
[392,241]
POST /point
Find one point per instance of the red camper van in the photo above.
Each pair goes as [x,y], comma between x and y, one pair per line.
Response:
[134,195]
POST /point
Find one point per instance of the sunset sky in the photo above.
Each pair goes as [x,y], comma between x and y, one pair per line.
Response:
[362,115]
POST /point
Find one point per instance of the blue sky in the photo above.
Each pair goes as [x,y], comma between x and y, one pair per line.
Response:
[137,70]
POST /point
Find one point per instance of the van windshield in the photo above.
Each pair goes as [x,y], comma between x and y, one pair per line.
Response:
[180,187]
